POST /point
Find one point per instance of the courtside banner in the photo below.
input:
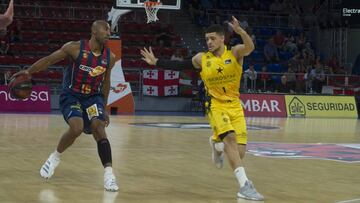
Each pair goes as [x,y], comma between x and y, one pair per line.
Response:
[39,101]
[263,105]
[321,106]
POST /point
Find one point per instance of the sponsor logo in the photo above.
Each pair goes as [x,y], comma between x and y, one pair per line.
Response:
[35,96]
[296,107]
[261,105]
[321,106]
[98,70]
[119,88]
[349,11]
[349,153]
[330,106]
[93,72]
[228,61]
[197,126]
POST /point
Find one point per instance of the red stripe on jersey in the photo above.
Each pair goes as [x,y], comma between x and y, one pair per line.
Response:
[89,73]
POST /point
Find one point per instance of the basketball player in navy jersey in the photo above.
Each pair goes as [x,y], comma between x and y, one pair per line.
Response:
[86,88]
[6,18]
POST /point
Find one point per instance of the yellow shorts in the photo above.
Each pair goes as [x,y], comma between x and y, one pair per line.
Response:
[225,117]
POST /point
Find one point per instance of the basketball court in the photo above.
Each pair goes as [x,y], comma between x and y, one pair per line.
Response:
[167,159]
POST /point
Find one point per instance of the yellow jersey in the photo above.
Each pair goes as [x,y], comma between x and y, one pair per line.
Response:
[221,75]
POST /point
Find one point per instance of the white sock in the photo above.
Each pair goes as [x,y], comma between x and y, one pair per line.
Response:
[108,170]
[241,175]
[56,154]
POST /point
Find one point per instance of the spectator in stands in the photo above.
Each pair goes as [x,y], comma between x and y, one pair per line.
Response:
[294,62]
[300,78]
[4,47]
[250,76]
[291,78]
[6,18]
[290,45]
[279,39]
[270,52]
[319,80]
[333,63]
[177,56]
[264,82]
[283,87]
[300,41]
[308,51]
[318,76]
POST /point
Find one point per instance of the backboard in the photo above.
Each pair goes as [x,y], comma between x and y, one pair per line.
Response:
[139,4]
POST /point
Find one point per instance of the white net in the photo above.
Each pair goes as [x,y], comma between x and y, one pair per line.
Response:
[151,9]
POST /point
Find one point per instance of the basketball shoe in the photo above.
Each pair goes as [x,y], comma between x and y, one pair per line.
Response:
[110,180]
[48,169]
[217,153]
[249,192]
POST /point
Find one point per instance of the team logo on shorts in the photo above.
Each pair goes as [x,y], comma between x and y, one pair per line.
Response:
[226,120]
[85,55]
[208,64]
[76,106]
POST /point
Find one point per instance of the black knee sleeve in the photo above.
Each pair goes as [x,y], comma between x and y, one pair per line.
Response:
[104,151]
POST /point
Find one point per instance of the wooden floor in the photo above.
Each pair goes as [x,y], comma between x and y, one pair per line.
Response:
[172,164]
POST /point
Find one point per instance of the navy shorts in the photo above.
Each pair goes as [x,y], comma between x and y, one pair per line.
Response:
[88,108]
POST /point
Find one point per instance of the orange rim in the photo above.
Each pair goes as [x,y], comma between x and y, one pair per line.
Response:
[151,3]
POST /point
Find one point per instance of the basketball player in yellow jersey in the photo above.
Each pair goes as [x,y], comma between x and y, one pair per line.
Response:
[221,70]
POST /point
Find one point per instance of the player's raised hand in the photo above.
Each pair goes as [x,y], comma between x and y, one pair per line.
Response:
[148,56]
[235,25]
[7,18]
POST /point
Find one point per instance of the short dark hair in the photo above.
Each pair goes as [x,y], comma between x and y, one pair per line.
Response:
[215,28]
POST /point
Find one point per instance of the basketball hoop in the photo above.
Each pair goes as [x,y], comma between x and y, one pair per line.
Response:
[151,9]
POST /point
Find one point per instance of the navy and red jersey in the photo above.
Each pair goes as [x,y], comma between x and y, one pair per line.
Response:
[86,75]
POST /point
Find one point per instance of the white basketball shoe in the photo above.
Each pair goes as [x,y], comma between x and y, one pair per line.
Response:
[110,180]
[48,169]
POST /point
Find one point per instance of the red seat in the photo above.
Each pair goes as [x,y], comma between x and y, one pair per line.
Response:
[131,77]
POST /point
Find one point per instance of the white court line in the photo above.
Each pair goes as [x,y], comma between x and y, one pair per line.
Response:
[351,200]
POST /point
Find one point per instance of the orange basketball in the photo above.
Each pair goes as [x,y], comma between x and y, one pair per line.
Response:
[20,86]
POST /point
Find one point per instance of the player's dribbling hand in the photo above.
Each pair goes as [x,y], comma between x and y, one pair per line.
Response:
[148,56]
[26,72]
[235,25]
